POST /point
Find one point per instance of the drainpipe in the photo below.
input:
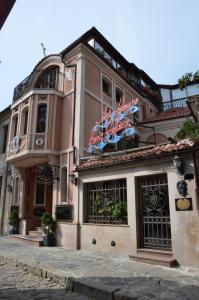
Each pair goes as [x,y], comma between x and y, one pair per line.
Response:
[74,108]
[4,199]
[78,242]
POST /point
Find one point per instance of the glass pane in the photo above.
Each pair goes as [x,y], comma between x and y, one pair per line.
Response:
[41,118]
[40,193]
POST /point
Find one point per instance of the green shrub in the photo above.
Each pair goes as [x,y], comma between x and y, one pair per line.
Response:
[48,223]
[14,218]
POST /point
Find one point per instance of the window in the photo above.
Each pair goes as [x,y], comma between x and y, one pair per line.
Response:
[15,124]
[106,202]
[24,122]
[1,184]
[48,79]
[107,87]
[41,118]
[118,95]
[64,184]
[40,194]
[5,137]
[16,191]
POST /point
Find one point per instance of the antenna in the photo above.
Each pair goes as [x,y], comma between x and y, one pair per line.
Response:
[44,49]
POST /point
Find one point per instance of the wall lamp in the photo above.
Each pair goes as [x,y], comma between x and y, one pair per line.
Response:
[73,178]
[178,164]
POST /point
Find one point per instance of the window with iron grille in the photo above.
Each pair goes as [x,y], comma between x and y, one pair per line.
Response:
[106,202]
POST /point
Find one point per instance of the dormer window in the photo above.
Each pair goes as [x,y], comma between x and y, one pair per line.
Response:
[107,86]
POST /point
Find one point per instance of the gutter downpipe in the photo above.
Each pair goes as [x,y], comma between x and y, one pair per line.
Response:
[74,160]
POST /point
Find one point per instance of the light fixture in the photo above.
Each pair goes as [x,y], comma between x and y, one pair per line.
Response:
[73,178]
[178,163]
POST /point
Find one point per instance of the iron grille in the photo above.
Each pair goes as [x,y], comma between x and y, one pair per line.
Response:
[107,202]
[154,213]
[51,81]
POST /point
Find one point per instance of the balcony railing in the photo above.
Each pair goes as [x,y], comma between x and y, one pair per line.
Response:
[39,80]
[174,104]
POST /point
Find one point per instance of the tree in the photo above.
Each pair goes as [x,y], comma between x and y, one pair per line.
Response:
[190,129]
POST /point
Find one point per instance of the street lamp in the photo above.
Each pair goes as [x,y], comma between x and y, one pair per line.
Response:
[178,164]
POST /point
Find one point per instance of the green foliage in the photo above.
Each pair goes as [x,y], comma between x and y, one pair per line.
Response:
[112,207]
[14,218]
[187,79]
[120,210]
[48,223]
[190,129]
[196,76]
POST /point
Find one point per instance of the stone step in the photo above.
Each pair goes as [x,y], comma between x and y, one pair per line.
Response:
[39,228]
[29,240]
[152,252]
[36,233]
[166,261]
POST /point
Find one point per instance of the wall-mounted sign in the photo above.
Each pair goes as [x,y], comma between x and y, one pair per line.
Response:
[183,204]
[113,126]
[64,212]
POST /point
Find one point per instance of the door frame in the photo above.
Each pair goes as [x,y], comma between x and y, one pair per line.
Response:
[138,203]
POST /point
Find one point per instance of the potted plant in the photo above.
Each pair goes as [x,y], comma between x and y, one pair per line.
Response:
[14,221]
[48,227]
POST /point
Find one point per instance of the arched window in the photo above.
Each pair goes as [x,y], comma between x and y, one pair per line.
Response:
[48,79]
[14,126]
[64,184]
[24,122]
[159,138]
[41,118]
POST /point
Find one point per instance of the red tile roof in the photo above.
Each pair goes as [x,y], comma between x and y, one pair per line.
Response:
[172,113]
[137,154]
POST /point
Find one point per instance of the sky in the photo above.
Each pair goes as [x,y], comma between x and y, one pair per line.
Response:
[159,36]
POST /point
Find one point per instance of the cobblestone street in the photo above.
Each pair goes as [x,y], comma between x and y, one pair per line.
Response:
[18,284]
[28,272]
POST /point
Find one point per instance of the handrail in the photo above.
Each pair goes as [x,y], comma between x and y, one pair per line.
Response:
[181,102]
[28,83]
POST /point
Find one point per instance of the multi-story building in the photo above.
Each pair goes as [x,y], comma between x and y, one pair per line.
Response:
[5,194]
[94,198]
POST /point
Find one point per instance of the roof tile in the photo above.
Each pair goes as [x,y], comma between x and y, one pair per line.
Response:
[172,113]
[136,154]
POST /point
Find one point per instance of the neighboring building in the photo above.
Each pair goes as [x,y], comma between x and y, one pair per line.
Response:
[5,8]
[53,112]
[4,171]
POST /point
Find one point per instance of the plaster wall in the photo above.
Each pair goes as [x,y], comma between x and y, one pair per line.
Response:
[66,235]
[184,224]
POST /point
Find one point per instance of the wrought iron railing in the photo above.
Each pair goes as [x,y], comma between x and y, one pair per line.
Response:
[51,80]
[174,103]
[107,202]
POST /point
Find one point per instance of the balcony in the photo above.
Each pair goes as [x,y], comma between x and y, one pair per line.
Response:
[50,78]
[174,104]
[26,150]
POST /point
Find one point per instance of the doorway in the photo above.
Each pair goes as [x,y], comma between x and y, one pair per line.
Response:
[154,213]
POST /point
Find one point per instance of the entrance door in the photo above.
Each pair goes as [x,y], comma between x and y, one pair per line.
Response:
[154,215]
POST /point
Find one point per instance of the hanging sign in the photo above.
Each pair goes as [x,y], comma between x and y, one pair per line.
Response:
[113,126]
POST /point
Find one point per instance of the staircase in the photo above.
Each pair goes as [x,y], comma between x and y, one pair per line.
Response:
[35,237]
[155,257]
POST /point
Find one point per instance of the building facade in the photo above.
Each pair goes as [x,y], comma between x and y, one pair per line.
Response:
[5,174]
[53,112]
